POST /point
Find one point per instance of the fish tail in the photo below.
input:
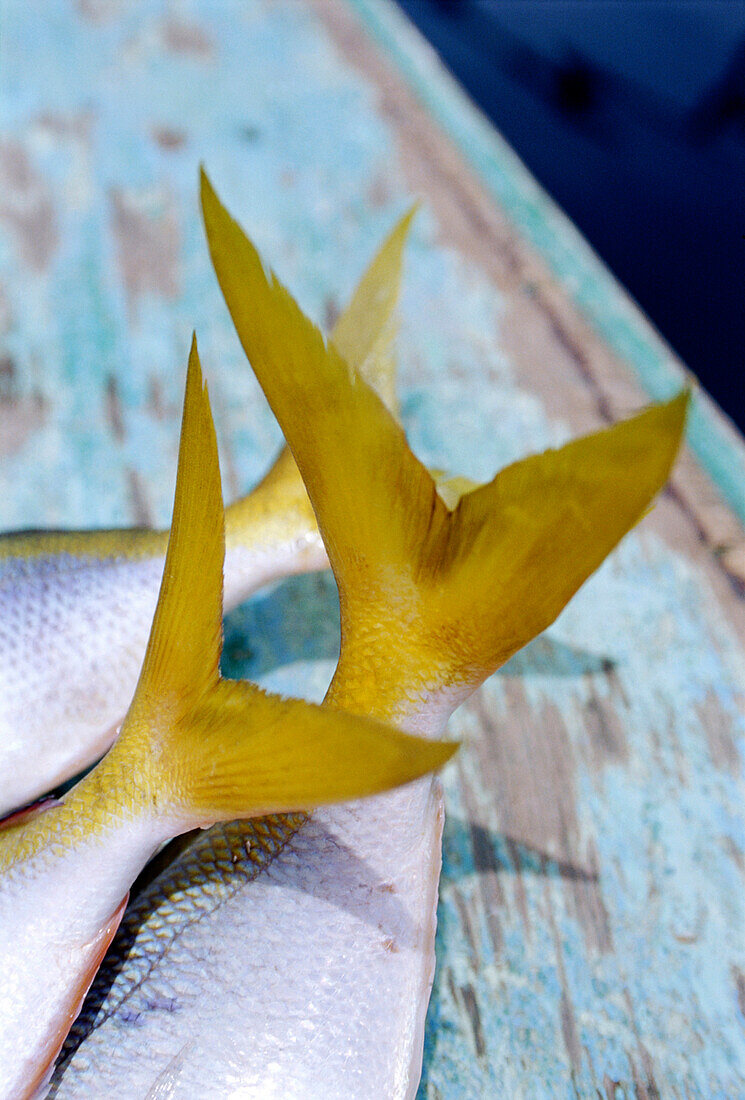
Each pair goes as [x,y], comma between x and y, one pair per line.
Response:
[365,332]
[201,749]
[278,509]
[435,588]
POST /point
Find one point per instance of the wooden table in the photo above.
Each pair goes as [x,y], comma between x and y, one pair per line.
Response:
[592,921]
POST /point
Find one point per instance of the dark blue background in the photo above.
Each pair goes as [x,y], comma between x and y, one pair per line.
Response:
[632,116]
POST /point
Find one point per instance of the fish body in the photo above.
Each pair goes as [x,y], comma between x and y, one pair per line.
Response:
[76,606]
[193,749]
[75,614]
[298,963]
[293,964]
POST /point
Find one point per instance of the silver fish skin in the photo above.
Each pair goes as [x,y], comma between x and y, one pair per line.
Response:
[73,630]
[290,957]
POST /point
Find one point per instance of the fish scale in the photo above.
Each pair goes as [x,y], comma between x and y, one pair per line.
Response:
[213,867]
[55,659]
[363,921]
[210,870]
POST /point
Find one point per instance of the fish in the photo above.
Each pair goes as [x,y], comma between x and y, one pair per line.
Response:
[292,957]
[76,606]
[194,749]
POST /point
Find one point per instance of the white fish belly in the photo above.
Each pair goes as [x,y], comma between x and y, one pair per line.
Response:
[72,636]
[308,979]
[56,910]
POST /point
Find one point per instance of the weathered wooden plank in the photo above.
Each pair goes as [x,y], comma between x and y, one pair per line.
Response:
[583,276]
[591,922]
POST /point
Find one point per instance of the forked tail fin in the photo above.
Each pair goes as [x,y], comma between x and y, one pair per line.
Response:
[365,331]
[438,597]
[278,509]
[205,749]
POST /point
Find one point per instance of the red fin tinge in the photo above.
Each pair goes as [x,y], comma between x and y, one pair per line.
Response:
[19,817]
[98,949]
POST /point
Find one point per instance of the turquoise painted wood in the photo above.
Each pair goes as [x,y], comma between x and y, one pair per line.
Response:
[592,922]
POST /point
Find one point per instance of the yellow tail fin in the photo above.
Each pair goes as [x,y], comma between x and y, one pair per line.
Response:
[204,748]
[451,592]
[365,331]
[278,510]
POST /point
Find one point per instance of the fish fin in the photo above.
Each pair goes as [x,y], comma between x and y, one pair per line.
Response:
[365,331]
[206,749]
[183,651]
[293,755]
[527,540]
[470,585]
[362,478]
[35,1087]
[364,334]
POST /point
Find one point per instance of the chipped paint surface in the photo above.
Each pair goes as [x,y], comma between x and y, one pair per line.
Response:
[591,937]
